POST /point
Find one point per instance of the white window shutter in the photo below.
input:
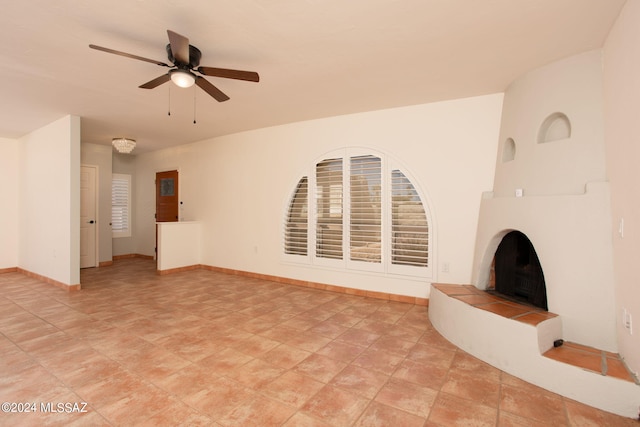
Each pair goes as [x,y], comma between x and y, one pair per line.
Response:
[329,209]
[296,227]
[365,224]
[121,205]
[365,206]
[409,229]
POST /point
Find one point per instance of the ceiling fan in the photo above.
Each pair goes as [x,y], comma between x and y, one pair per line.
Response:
[186,62]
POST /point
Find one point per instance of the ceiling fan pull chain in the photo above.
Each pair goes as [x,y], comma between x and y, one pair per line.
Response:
[169,106]
[194,105]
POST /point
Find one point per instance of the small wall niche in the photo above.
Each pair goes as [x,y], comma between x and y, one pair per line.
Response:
[555,127]
[509,150]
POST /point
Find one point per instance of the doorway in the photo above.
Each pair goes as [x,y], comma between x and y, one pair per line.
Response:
[167,196]
[167,200]
[88,216]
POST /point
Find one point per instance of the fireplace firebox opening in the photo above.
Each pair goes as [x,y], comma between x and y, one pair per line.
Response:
[517,272]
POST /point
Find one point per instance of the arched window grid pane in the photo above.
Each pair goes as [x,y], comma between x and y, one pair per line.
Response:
[329,209]
[365,216]
[409,230]
[296,227]
[363,212]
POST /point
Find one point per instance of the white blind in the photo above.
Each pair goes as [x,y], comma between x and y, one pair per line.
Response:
[297,220]
[409,229]
[121,205]
[365,215]
[329,209]
[362,204]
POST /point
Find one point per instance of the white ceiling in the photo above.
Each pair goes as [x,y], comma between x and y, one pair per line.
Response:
[316,58]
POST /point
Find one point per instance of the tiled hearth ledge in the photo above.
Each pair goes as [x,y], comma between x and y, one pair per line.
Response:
[519,340]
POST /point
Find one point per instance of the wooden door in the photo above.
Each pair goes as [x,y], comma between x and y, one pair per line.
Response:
[167,201]
[88,223]
[167,204]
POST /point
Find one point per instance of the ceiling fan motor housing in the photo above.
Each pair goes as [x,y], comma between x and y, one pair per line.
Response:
[194,57]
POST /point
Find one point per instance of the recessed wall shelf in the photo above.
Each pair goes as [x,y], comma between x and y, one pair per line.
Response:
[555,127]
[509,150]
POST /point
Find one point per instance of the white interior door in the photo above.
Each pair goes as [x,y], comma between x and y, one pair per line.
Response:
[88,220]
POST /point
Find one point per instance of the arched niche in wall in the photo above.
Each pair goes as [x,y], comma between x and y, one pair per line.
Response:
[508,150]
[555,127]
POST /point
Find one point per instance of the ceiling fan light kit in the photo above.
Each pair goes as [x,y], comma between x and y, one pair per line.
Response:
[182,78]
[186,61]
[124,145]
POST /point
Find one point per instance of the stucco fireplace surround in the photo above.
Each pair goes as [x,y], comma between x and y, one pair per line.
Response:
[550,185]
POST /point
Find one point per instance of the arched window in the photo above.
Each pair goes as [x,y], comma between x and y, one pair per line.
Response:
[297,218]
[358,211]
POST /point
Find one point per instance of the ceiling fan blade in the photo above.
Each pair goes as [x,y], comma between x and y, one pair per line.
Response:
[211,89]
[179,47]
[127,55]
[156,82]
[250,76]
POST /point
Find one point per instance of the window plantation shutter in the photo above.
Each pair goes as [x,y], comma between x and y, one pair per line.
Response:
[409,228]
[297,219]
[329,209]
[365,214]
[363,204]
[120,205]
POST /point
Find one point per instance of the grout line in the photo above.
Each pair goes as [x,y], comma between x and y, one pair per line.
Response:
[632,374]
[517,316]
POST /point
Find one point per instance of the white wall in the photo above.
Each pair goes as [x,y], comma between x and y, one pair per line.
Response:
[239,185]
[9,214]
[178,244]
[622,124]
[49,201]
[572,86]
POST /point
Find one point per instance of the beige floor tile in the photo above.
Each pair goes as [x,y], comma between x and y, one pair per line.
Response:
[205,348]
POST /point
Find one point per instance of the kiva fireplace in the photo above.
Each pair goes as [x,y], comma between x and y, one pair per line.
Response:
[545,228]
[545,238]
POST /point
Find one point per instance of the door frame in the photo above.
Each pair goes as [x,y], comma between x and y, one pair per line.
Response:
[96,191]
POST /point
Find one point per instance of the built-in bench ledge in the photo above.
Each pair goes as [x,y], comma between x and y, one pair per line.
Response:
[518,339]
[592,359]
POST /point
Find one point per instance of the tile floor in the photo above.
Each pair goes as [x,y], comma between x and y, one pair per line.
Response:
[205,348]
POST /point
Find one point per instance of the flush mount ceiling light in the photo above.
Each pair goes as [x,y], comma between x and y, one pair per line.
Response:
[182,78]
[124,145]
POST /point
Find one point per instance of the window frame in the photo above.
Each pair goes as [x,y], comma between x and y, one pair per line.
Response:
[385,266]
